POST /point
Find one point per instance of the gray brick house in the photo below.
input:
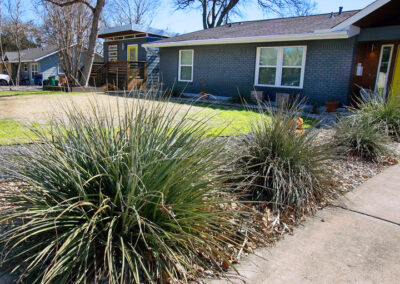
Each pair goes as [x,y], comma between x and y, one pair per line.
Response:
[320,57]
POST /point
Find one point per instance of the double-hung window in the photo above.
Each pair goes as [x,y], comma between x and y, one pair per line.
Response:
[60,70]
[185,71]
[280,66]
[35,69]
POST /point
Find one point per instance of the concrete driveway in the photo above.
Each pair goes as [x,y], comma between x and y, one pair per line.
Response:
[355,241]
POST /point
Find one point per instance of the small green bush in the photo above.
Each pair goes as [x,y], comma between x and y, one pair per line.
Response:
[361,135]
[380,111]
[285,167]
[133,196]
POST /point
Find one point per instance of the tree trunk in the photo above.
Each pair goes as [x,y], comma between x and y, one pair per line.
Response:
[17,79]
[226,11]
[92,43]
[204,4]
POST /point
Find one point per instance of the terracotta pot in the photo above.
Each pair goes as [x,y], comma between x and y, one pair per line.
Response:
[331,106]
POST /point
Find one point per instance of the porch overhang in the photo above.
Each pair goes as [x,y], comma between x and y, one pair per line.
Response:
[130,29]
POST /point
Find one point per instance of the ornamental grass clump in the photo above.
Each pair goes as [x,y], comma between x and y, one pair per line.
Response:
[285,167]
[378,110]
[131,196]
[362,136]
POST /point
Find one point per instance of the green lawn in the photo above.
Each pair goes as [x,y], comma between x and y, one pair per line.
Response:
[223,120]
[229,121]
[13,132]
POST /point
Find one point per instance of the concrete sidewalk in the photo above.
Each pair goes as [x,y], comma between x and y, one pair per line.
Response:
[355,241]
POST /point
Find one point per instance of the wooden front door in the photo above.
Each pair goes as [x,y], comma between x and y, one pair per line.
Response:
[377,61]
[395,88]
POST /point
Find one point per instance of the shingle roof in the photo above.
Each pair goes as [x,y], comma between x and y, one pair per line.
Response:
[30,54]
[271,27]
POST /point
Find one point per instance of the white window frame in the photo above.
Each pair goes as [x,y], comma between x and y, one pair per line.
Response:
[59,68]
[112,50]
[26,67]
[379,67]
[279,67]
[181,65]
[33,73]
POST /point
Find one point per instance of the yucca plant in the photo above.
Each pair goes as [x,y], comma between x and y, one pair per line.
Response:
[378,110]
[130,196]
[285,167]
[363,136]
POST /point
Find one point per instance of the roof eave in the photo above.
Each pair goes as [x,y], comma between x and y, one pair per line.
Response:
[358,16]
[47,55]
[273,38]
[22,61]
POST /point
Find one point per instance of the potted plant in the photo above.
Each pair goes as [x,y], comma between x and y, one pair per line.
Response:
[331,105]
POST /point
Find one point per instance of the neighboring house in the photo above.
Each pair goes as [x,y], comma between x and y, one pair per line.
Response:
[320,57]
[124,53]
[42,61]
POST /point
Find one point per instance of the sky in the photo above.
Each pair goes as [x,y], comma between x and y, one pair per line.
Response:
[190,20]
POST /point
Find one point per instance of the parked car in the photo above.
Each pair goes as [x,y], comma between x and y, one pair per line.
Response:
[4,80]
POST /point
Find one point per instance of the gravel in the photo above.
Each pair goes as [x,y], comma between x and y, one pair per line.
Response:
[6,175]
[350,172]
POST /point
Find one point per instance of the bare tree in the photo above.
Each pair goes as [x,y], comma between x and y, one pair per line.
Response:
[290,8]
[14,10]
[67,28]
[94,30]
[139,12]
[217,12]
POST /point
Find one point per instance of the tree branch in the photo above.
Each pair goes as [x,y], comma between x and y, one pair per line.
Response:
[71,2]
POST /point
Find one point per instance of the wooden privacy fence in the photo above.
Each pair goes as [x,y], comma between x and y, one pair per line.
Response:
[119,75]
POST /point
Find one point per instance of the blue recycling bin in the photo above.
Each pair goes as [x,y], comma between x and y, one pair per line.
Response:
[38,80]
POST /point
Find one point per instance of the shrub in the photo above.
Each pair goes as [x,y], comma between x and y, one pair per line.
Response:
[128,196]
[363,136]
[285,167]
[380,111]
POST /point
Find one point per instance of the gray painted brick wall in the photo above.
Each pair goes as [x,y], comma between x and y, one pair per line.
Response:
[224,69]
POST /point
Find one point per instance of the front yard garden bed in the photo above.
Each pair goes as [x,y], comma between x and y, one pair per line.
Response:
[349,173]
[152,196]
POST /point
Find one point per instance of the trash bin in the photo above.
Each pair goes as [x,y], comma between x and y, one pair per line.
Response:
[52,81]
[38,80]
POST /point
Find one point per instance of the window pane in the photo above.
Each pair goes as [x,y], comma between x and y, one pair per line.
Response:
[186,57]
[383,70]
[267,75]
[186,73]
[291,77]
[384,67]
[268,56]
[386,53]
[292,56]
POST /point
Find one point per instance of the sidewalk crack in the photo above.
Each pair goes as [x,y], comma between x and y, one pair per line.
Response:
[366,214]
